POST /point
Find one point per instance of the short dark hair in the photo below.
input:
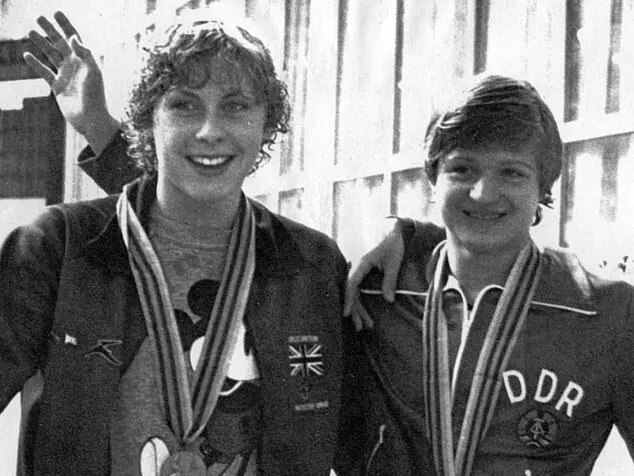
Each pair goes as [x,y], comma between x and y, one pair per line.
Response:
[182,57]
[503,112]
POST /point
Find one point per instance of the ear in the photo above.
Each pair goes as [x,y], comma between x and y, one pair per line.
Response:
[538,216]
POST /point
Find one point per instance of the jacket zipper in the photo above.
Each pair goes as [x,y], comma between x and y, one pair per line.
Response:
[377,446]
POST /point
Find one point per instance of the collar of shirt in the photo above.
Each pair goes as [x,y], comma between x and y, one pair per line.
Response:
[453,284]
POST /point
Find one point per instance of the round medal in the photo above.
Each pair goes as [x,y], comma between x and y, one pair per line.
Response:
[184,463]
[153,454]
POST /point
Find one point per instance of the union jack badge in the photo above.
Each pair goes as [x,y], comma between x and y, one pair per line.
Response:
[305,358]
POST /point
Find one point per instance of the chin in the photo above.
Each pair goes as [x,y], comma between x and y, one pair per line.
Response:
[490,244]
[479,247]
[203,194]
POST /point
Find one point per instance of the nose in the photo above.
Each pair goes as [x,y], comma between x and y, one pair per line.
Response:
[210,129]
[485,189]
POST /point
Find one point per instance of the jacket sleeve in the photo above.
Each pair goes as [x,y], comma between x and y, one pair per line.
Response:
[353,432]
[30,263]
[623,372]
[112,168]
[420,238]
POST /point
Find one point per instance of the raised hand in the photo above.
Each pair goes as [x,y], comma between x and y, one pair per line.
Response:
[75,78]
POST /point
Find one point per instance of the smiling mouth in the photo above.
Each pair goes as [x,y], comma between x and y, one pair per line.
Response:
[210,161]
[484,216]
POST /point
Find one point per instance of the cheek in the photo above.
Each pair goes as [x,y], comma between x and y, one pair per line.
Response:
[254,134]
[168,136]
[253,130]
[530,195]
[526,202]
[253,140]
[447,194]
[159,132]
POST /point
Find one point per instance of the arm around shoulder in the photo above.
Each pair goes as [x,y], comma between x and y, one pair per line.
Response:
[421,234]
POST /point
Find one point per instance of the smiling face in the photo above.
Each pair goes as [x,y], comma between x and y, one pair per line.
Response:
[207,140]
[488,198]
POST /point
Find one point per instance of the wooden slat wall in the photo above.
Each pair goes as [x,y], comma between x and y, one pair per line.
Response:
[12,66]
[31,151]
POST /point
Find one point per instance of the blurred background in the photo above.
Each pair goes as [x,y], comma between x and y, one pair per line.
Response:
[363,77]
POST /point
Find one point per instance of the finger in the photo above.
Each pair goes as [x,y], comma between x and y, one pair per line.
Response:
[45,49]
[390,278]
[39,68]
[354,281]
[356,317]
[81,51]
[363,268]
[57,40]
[66,26]
[391,268]
[362,314]
[356,320]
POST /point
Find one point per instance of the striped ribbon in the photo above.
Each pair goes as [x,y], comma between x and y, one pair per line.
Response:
[189,407]
[501,337]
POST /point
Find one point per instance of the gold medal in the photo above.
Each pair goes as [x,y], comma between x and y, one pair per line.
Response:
[184,463]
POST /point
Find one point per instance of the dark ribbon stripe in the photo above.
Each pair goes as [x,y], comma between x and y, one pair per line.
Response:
[205,394]
[507,334]
[433,399]
[215,325]
[506,324]
[173,396]
[188,407]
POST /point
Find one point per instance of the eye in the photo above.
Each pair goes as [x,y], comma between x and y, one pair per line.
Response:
[181,105]
[514,174]
[460,171]
[236,107]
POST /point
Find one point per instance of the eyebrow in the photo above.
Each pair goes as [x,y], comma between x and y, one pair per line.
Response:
[232,93]
[520,163]
[180,90]
[505,162]
[240,92]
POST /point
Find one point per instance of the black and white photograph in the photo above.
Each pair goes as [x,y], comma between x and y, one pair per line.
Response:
[316,237]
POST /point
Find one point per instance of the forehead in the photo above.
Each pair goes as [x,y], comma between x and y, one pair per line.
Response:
[224,74]
[212,90]
[495,156]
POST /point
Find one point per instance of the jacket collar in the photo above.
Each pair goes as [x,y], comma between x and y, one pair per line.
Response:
[564,283]
[277,253]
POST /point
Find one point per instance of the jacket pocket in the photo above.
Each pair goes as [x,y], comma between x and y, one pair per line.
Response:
[371,465]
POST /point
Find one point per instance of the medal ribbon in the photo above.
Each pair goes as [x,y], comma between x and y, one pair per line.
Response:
[506,324]
[188,408]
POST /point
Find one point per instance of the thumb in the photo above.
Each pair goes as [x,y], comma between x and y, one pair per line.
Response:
[390,276]
[80,50]
[391,263]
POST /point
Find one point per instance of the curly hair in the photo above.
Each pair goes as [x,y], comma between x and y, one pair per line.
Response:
[183,56]
[503,112]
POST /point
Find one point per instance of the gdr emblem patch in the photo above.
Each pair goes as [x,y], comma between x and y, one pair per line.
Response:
[537,429]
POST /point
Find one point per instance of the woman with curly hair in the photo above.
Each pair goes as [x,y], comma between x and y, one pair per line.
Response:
[178,327]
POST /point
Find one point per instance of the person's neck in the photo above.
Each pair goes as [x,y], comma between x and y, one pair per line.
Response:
[476,270]
[211,214]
